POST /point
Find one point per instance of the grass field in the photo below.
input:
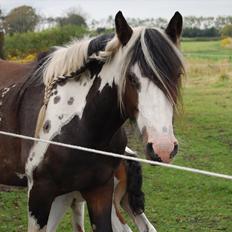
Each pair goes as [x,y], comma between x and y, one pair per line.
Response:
[178,201]
[206,49]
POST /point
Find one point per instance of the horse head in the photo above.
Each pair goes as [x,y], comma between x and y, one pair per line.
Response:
[151,86]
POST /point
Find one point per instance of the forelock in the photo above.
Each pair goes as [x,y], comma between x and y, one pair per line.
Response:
[160,61]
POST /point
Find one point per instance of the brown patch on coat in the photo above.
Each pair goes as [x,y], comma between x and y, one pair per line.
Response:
[120,189]
[131,100]
[99,198]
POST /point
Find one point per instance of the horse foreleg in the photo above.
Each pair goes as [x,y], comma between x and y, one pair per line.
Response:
[41,196]
[99,202]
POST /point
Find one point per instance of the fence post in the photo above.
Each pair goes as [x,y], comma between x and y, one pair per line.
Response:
[1,43]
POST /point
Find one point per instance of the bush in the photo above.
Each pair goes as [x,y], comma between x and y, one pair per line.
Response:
[21,44]
[226,42]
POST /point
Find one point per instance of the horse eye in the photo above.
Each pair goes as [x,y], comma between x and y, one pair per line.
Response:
[134,80]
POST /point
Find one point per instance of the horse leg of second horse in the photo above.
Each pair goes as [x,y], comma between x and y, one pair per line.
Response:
[141,221]
[78,211]
[120,186]
[99,202]
[58,209]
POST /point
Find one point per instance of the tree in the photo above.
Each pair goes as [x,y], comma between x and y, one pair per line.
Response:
[1,43]
[1,34]
[197,32]
[227,31]
[21,19]
[1,19]
[73,18]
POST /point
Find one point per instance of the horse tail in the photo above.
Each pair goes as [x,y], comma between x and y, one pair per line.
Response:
[134,184]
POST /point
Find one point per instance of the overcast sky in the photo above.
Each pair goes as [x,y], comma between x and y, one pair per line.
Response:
[98,9]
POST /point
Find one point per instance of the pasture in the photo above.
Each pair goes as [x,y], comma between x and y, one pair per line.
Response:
[177,201]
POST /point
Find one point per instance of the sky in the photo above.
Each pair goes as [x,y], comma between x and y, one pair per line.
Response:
[99,9]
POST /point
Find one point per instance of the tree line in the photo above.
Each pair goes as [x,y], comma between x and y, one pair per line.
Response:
[25,18]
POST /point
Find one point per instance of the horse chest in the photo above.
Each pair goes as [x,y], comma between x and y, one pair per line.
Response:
[62,123]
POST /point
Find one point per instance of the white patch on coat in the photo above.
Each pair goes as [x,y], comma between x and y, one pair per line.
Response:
[155,110]
[71,89]
[117,63]
[5,91]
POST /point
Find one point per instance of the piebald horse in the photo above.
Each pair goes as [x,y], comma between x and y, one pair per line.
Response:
[82,94]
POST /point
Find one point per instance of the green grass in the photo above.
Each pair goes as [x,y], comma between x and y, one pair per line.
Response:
[178,201]
[206,49]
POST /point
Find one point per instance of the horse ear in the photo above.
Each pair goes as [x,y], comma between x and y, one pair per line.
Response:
[174,28]
[123,30]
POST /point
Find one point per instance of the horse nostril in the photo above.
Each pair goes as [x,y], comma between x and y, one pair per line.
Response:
[175,150]
[149,148]
[151,154]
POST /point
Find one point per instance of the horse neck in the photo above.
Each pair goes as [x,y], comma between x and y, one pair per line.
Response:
[87,109]
[102,114]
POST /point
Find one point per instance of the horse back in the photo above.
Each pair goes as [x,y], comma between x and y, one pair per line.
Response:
[12,73]
[12,77]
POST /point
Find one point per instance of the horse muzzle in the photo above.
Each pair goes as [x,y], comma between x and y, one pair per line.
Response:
[161,152]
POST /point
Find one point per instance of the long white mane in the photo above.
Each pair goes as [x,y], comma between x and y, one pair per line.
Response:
[65,60]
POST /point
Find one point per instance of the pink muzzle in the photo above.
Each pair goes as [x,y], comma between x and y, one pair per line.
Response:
[164,148]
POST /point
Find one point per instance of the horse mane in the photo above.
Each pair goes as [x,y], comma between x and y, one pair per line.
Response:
[158,58]
[66,60]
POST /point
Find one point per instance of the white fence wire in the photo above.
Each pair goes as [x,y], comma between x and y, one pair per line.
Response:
[193,170]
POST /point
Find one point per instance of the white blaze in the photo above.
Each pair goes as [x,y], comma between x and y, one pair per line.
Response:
[155,113]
